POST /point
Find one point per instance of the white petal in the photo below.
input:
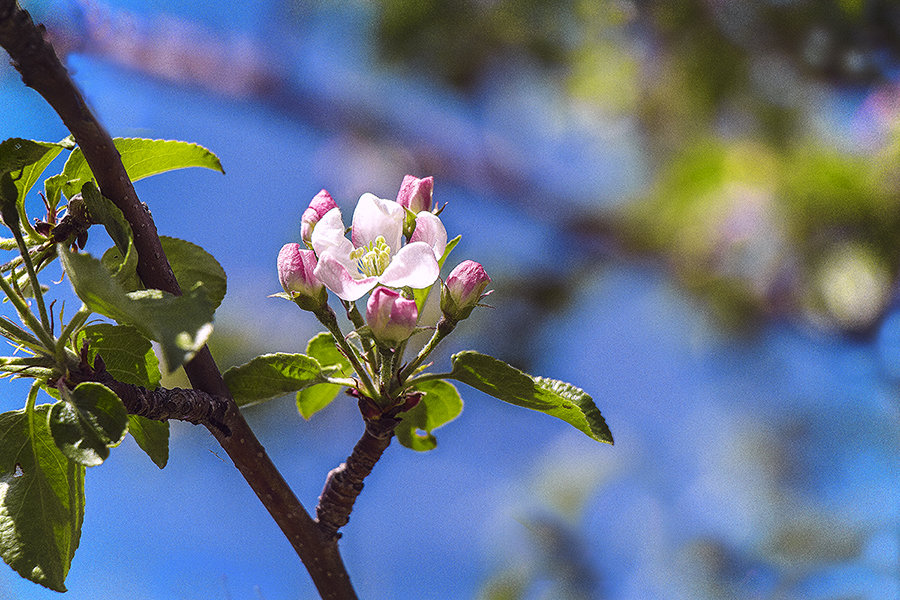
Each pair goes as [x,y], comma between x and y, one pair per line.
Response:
[340,280]
[414,266]
[373,217]
[430,230]
[328,234]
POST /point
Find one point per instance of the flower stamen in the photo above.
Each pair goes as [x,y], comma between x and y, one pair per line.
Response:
[373,259]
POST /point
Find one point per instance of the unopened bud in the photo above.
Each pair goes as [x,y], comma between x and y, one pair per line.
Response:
[415,194]
[318,206]
[295,272]
[463,290]
[391,317]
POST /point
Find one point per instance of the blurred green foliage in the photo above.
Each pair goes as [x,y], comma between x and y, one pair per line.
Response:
[755,201]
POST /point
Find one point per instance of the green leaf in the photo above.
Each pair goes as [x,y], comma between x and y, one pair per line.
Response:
[26,160]
[123,269]
[142,158]
[193,265]
[422,295]
[181,324]
[41,499]
[87,421]
[313,399]
[152,437]
[322,348]
[272,376]
[104,211]
[440,404]
[121,261]
[556,398]
[53,189]
[128,355]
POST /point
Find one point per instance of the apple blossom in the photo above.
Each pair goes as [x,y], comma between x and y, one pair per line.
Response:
[318,206]
[391,317]
[463,290]
[374,255]
[296,272]
[415,194]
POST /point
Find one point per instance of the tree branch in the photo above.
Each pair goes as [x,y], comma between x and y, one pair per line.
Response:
[345,482]
[161,404]
[41,70]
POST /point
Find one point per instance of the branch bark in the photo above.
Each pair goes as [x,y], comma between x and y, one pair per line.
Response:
[345,482]
[42,71]
[161,404]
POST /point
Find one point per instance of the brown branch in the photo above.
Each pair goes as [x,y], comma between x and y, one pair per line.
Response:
[161,404]
[41,70]
[345,482]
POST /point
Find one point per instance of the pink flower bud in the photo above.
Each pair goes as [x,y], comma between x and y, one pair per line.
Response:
[318,206]
[463,290]
[391,317]
[295,272]
[415,193]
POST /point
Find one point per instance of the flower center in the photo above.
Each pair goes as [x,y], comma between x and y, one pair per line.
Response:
[373,259]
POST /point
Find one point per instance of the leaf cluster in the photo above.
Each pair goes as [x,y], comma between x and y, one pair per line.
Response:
[45,448]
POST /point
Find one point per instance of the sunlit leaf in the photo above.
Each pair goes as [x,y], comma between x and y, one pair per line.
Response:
[439,405]
[41,499]
[88,420]
[556,398]
[122,261]
[142,158]
[314,398]
[152,437]
[193,265]
[127,354]
[25,161]
[272,376]
[181,324]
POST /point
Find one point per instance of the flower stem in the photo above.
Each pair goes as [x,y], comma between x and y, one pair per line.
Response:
[25,313]
[32,398]
[327,317]
[32,277]
[443,329]
[74,324]
[18,335]
[387,370]
[357,319]
[413,382]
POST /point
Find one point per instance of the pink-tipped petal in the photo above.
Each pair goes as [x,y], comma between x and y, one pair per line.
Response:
[338,278]
[414,266]
[373,217]
[318,207]
[415,194]
[430,230]
[321,204]
[296,270]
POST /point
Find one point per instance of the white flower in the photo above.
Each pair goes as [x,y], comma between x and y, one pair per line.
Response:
[375,256]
